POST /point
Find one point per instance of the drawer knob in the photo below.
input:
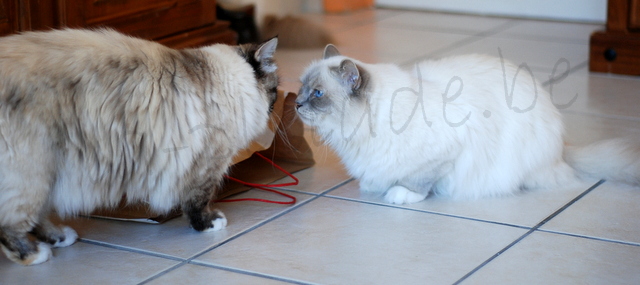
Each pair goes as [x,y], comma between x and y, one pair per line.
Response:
[610,54]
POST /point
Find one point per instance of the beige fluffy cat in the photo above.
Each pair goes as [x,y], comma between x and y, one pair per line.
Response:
[88,116]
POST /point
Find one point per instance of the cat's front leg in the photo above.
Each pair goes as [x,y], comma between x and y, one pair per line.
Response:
[393,195]
[201,217]
[370,187]
[58,237]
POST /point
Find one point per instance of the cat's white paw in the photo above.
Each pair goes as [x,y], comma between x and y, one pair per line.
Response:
[402,195]
[43,254]
[219,223]
[70,237]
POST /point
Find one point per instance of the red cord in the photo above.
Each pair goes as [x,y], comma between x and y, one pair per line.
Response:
[263,186]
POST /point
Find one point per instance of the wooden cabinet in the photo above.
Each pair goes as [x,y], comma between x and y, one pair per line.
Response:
[634,15]
[7,24]
[617,50]
[177,23]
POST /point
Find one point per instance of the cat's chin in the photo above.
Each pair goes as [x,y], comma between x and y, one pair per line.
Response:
[309,122]
[304,118]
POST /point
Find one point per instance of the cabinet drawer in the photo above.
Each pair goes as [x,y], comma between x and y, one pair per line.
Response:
[217,33]
[7,22]
[150,19]
[634,14]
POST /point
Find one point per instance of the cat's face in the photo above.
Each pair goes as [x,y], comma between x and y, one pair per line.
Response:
[329,88]
[260,57]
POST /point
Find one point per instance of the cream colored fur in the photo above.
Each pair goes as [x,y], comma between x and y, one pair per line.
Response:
[89,116]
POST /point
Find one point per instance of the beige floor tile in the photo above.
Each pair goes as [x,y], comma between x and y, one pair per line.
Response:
[83,263]
[544,258]
[608,212]
[196,275]
[442,22]
[184,241]
[525,209]
[332,241]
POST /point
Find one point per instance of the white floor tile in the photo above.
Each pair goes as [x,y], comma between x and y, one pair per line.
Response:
[450,23]
[83,263]
[337,22]
[196,274]
[608,212]
[599,94]
[525,209]
[582,128]
[184,241]
[544,258]
[539,55]
[332,241]
[375,44]
[552,31]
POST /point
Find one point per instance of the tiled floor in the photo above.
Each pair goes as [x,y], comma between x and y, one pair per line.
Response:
[585,234]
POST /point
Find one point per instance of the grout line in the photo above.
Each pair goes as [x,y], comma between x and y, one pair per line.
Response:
[536,227]
[615,76]
[472,38]
[592,238]
[538,38]
[250,273]
[428,212]
[143,252]
[183,261]
[514,36]
[130,249]
[314,197]
[557,212]
[338,185]
[572,70]
[162,273]
[191,259]
[440,30]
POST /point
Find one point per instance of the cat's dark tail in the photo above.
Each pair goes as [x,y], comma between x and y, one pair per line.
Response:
[615,160]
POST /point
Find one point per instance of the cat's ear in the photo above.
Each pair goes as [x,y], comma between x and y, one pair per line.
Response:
[330,51]
[264,55]
[349,74]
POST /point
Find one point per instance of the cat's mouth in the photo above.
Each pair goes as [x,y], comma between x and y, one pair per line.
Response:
[304,114]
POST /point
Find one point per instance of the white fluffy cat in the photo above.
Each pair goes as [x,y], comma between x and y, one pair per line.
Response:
[467,127]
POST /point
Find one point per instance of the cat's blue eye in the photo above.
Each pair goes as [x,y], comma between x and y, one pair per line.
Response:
[318,93]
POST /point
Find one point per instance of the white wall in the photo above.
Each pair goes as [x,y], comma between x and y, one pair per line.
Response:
[565,10]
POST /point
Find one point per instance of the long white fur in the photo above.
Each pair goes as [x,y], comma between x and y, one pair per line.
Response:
[500,149]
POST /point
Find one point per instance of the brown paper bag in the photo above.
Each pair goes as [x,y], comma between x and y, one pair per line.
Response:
[289,150]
